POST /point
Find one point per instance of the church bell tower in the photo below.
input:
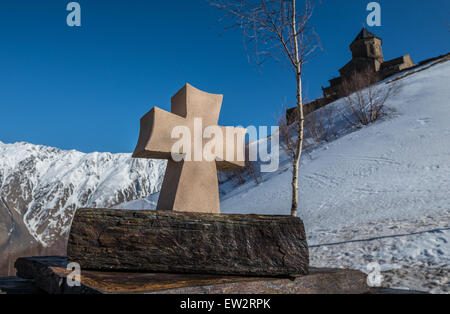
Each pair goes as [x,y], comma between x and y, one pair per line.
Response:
[367,45]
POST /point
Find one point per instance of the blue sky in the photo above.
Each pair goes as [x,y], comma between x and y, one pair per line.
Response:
[86,88]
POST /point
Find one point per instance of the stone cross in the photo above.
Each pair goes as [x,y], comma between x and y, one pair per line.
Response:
[189,185]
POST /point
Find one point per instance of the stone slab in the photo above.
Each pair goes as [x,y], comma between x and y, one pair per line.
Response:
[16,285]
[173,242]
[49,274]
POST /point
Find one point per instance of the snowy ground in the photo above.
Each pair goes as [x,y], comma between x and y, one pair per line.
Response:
[412,253]
[389,181]
[378,194]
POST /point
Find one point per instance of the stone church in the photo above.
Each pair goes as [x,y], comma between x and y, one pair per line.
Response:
[367,53]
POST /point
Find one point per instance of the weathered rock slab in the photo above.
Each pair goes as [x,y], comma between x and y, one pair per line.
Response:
[174,242]
[49,274]
[16,285]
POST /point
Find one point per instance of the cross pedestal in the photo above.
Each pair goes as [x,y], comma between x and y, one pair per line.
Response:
[51,276]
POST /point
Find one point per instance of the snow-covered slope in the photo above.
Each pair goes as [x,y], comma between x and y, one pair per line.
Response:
[41,187]
[376,194]
[379,194]
[397,167]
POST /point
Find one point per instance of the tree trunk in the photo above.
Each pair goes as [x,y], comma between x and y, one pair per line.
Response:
[298,153]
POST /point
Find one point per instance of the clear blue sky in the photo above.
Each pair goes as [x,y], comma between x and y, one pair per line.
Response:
[86,88]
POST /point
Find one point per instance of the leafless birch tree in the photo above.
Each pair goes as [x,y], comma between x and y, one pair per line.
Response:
[277,29]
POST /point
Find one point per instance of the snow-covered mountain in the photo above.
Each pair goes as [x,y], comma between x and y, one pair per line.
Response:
[41,187]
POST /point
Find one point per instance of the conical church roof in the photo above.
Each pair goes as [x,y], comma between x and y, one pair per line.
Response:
[365,34]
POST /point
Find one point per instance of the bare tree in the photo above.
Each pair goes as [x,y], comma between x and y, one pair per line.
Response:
[250,170]
[277,29]
[365,99]
[319,125]
[241,175]
[287,140]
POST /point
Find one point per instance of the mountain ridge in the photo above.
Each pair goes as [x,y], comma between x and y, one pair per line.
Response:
[41,187]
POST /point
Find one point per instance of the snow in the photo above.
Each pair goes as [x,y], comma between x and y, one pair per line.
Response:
[376,194]
[389,176]
[383,190]
[412,253]
[148,203]
[45,185]
[399,167]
